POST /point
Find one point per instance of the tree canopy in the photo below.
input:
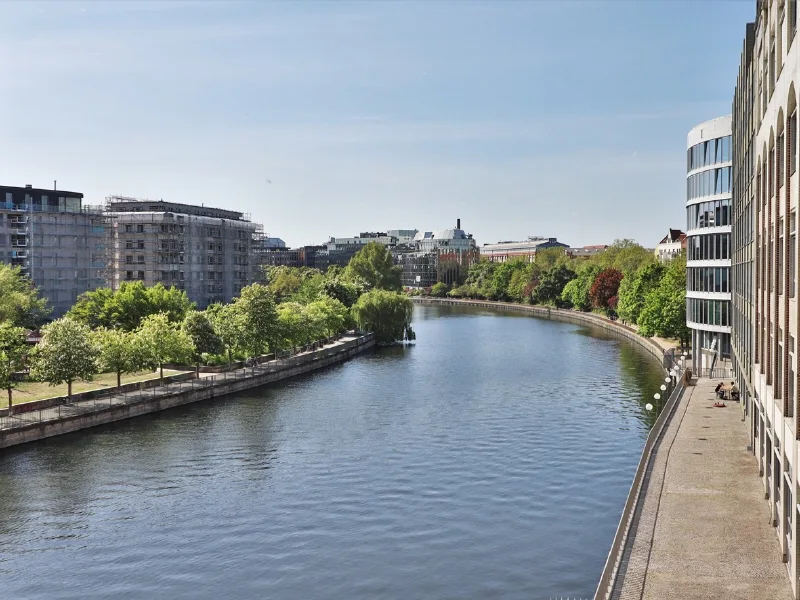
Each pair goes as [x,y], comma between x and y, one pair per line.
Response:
[126,307]
[66,353]
[117,351]
[386,314]
[664,311]
[13,349]
[374,265]
[161,341]
[21,305]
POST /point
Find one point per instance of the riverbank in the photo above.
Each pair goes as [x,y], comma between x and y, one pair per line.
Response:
[662,350]
[47,422]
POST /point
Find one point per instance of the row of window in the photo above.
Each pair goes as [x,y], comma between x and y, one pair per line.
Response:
[708,183]
[708,312]
[708,153]
[715,246]
[707,279]
[713,213]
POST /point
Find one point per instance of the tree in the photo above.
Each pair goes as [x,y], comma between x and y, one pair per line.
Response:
[256,305]
[345,292]
[439,290]
[94,308]
[13,349]
[292,325]
[21,305]
[626,256]
[576,292]
[129,305]
[386,314]
[552,284]
[664,311]
[162,342]
[117,350]
[169,300]
[329,315]
[229,327]
[65,354]
[603,293]
[634,289]
[198,327]
[374,265]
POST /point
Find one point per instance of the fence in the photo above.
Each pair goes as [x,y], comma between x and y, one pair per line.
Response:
[717,373]
[114,397]
[608,579]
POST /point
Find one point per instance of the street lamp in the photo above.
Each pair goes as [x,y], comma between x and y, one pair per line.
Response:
[663,387]
[648,406]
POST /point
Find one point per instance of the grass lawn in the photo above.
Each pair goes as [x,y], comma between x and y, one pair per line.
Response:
[37,390]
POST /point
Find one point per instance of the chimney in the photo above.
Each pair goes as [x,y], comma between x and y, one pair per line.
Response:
[458,223]
[55,185]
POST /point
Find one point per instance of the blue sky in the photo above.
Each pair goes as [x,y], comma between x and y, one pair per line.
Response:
[564,119]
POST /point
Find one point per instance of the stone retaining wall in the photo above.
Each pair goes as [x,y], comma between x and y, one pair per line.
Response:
[298,365]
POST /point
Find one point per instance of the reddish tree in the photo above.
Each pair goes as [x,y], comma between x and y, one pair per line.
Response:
[603,292]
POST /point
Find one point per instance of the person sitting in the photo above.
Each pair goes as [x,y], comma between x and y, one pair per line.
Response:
[719,391]
[734,391]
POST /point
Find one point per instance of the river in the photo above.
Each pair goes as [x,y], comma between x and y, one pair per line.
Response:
[490,459]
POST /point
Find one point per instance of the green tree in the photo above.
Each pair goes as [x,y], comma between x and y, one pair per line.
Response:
[21,305]
[480,278]
[552,285]
[256,305]
[199,328]
[386,314]
[169,300]
[548,258]
[65,354]
[345,292]
[576,292]
[94,308]
[229,326]
[293,326]
[162,342]
[329,315]
[664,311]
[626,256]
[374,265]
[634,289]
[117,351]
[439,290]
[13,349]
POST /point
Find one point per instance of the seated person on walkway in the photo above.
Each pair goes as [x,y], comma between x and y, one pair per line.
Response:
[734,391]
[719,391]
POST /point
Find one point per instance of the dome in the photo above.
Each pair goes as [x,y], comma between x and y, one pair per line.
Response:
[449,234]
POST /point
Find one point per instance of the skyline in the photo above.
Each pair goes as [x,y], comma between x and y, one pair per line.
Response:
[323,119]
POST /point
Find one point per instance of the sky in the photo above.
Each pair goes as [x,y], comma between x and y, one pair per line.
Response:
[558,119]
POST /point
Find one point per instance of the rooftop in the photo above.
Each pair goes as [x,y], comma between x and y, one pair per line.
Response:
[128,204]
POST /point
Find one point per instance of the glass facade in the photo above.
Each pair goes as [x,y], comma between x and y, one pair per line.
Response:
[713,213]
[709,183]
[707,279]
[709,205]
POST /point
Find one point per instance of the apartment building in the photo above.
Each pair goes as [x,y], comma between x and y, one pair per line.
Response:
[55,239]
[211,253]
[764,273]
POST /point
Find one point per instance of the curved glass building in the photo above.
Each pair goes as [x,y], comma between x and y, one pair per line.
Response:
[708,243]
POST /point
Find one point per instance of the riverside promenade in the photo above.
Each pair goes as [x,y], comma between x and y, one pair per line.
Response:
[28,426]
[701,529]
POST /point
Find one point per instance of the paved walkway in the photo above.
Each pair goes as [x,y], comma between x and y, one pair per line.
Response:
[703,528]
[105,401]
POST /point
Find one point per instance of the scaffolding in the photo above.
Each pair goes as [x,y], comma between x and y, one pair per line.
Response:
[210,257]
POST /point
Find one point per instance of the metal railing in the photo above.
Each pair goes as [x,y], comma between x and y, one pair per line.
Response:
[608,579]
[288,359]
[717,373]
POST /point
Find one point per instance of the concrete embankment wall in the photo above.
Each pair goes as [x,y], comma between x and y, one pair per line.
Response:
[298,365]
[556,314]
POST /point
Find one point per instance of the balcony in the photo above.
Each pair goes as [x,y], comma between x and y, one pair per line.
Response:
[19,244]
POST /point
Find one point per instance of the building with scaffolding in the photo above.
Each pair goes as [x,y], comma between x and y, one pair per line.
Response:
[211,253]
[55,240]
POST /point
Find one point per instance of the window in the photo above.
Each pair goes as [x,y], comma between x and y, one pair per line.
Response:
[128,228]
[139,274]
[140,229]
[140,259]
[792,253]
[779,266]
[129,260]
[792,25]
[779,161]
[128,274]
[792,126]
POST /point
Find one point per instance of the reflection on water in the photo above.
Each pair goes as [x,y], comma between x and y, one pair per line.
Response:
[490,459]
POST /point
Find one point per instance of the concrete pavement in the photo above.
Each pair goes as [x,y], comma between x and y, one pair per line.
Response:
[702,530]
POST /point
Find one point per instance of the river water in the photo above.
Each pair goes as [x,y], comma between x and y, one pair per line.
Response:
[491,459]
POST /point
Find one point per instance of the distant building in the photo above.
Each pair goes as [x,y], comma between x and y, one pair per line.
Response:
[585,251]
[431,256]
[211,253]
[55,240]
[671,246]
[294,257]
[503,251]
[403,236]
